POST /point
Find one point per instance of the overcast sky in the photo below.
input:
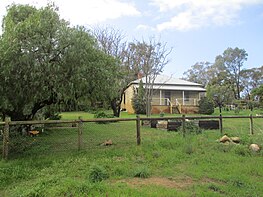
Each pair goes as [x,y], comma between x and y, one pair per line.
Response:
[197,30]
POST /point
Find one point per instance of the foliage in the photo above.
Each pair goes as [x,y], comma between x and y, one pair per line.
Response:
[220,94]
[227,75]
[139,101]
[149,59]
[233,60]
[50,112]
[97,173]
[251,79]
[206,106]
[142,172]
[258,94]
[53,62]
[189,149]
[111,42]
[102,114]
[198,73]
[191,127]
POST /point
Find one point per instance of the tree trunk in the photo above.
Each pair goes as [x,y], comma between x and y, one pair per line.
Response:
[115,108]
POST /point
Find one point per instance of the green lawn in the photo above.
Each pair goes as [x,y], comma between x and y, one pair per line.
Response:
[197,165]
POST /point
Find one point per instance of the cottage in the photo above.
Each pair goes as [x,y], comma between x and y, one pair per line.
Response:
[170,95]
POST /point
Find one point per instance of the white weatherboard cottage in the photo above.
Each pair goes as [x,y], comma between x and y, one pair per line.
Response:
[170,95]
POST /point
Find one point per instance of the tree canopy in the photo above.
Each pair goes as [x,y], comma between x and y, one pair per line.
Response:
[44,61]
[226,77]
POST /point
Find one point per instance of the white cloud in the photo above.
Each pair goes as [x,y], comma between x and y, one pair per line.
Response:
[95,11]
[144,27]
[80,12]
[192,14]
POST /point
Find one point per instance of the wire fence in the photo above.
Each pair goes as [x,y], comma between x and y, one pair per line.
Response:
[67,136]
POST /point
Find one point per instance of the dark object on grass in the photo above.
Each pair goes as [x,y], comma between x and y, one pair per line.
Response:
[209,124]
[153,123]
[173,126]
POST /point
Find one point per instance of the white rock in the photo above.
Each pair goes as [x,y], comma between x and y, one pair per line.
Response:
[254,147]
[235,139]
[224,139]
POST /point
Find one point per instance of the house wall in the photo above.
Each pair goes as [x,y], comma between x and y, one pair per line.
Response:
[157,108]
[127,100]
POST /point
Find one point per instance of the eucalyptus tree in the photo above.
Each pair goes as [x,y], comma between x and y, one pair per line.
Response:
[112,42]
[149,58]
[258,94]
[251,79]
[44,61]
[234,60]
[198,73]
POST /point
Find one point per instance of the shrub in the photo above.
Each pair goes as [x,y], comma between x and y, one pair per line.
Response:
[102,114]
[142,172]
[191,127]
[206,106]
[97,173]
[188,149]
[139,101]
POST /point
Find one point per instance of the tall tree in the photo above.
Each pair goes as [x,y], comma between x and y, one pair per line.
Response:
[198,73]
[251,79]
[111,42]
[149,58]
[234,60]
[258,94]
[44,61]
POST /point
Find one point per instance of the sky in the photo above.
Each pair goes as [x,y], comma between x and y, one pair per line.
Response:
[195,30]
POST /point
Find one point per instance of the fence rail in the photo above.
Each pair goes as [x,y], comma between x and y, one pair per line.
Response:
[79,122]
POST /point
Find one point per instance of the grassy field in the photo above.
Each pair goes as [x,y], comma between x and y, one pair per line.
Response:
[166,164]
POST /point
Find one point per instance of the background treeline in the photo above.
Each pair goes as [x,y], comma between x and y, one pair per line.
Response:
[227,80]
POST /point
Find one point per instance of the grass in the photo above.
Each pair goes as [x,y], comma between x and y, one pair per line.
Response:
[166,164]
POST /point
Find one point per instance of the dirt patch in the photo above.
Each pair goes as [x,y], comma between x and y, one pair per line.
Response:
[209,180]
[158,181]
[178,183]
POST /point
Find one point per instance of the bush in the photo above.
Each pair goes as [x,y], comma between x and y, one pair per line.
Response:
[206,106]
[103,115]
[191,127]
[139,101]
[142,172]
[97,173]
[188,149]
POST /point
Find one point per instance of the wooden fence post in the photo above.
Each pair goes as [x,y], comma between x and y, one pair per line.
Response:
[6,138]
[220,123]
[80,127]
[251,125]
[183,125]
[138,130]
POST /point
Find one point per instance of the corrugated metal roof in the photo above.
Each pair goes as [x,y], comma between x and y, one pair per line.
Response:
[164,82]
[177,87]
[168,80]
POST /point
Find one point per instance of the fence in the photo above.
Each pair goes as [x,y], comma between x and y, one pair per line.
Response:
[79,123]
